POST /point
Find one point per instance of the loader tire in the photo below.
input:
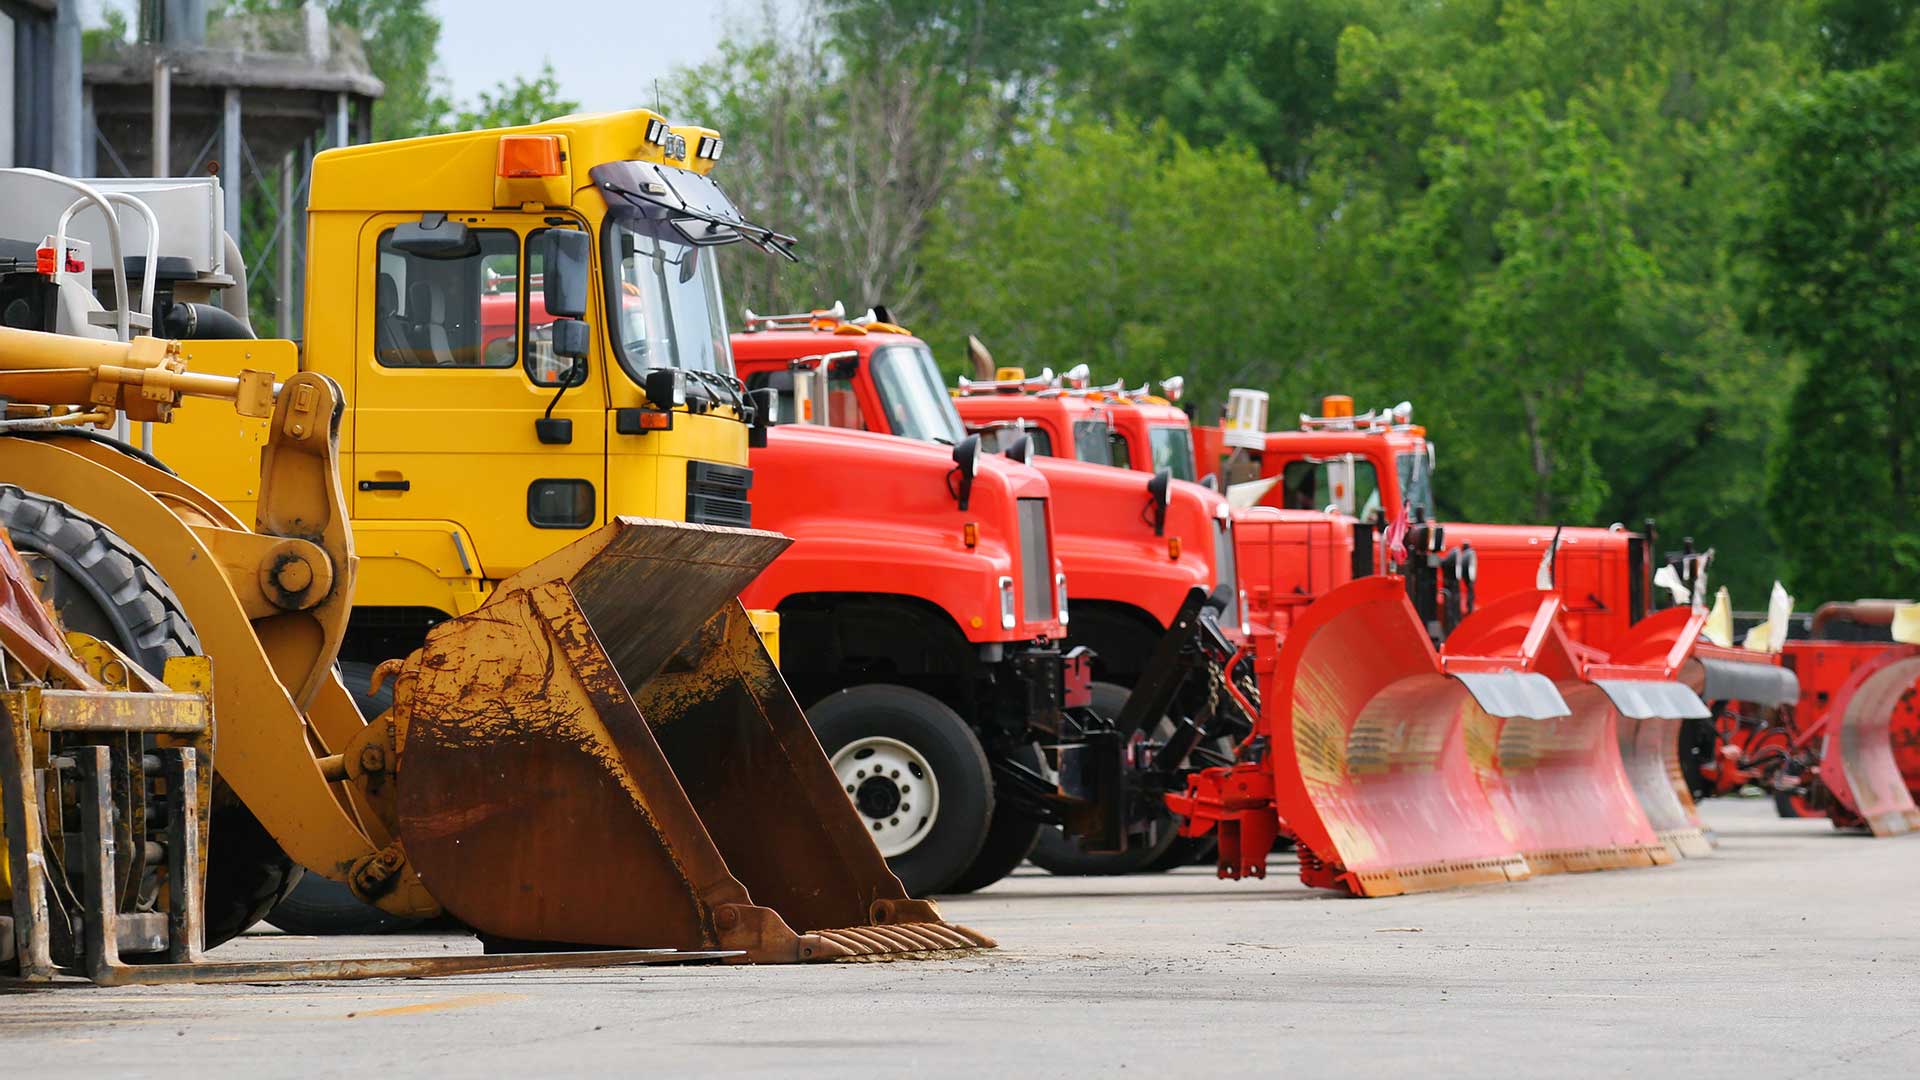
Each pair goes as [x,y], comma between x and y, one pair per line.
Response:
[1058,853]
[927,758]
[102,586]
[319,905]
[1010,835]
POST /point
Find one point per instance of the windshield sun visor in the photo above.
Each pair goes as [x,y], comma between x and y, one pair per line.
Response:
[697,208]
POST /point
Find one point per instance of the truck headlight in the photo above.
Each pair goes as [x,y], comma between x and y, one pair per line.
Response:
[1060,596]
[1008,620]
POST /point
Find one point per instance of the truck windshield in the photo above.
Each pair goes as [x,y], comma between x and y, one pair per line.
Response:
[667,298]
[1172,450]
[915,399]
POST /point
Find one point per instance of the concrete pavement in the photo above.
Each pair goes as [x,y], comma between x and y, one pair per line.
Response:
[1793,951]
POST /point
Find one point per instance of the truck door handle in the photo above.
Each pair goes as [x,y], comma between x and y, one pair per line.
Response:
[386,485]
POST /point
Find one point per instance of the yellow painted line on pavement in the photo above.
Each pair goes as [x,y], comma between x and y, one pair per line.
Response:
[463,1002]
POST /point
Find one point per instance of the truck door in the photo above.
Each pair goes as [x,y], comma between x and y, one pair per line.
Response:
[453,370]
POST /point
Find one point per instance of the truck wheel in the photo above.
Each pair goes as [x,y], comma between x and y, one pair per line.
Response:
[916,776]
[319,905]
[1010,835]
[1058,853]
[103,587]
[1792,804]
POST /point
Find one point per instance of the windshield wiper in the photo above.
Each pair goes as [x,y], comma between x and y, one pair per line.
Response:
[759,235]
[943,440]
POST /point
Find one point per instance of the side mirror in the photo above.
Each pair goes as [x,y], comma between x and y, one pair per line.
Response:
[571,341]
[766,413]
[966,463]
[1159,488]
[1021,450]
[434,237]
[563,272]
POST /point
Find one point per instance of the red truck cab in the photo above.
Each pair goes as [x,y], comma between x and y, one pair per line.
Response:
[1132,548]
[922,615]
[1375,465]
[1137,548]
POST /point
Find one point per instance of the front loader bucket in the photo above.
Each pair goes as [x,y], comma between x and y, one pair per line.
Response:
[1370,768]
[1857,762]
[1555,783]
[1638,679]
[605,755]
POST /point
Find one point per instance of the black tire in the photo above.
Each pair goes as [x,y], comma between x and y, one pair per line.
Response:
[1058,853]
[1010,836]
[320,905]
[102,586]
[1790,804]
[928,862]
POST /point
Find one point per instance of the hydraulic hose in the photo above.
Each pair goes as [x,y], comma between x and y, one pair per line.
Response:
[203,322]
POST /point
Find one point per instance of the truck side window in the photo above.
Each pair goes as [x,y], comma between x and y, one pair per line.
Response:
[1042,442]
[1345,482]
[1120,449]
[457,312]
[1093,442]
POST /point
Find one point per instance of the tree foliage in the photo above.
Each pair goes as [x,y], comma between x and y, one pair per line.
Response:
[1840,259]
[1536,219]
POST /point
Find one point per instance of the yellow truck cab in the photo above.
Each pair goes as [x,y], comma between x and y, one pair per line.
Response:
[527,324]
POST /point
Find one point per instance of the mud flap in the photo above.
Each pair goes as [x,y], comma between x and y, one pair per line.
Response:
[1857,762]
[605,755]
[1370,767]
[1554,779]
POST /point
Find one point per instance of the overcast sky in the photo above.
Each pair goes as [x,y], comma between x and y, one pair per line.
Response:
[607,53]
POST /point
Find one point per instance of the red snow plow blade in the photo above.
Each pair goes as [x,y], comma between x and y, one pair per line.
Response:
[1638,679]
[1857,763]
[1368,757]
[1556,784]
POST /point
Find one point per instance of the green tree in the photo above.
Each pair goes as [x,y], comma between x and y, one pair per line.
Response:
[518,100]
[1840,246]
[1137,254]
[1256,71]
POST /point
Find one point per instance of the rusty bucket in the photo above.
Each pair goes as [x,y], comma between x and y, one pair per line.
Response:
[605,755]
[1368,755]
[1556,784]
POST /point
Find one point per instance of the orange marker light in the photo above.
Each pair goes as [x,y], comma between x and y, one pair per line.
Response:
[970,533]
[523,156]
[655,420]
[1173,547]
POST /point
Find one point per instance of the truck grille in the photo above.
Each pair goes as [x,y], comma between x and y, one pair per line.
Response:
[1036,561]
[717,494]
[1227,570]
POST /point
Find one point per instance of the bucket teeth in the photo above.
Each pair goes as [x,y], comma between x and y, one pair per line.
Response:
[861,942]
